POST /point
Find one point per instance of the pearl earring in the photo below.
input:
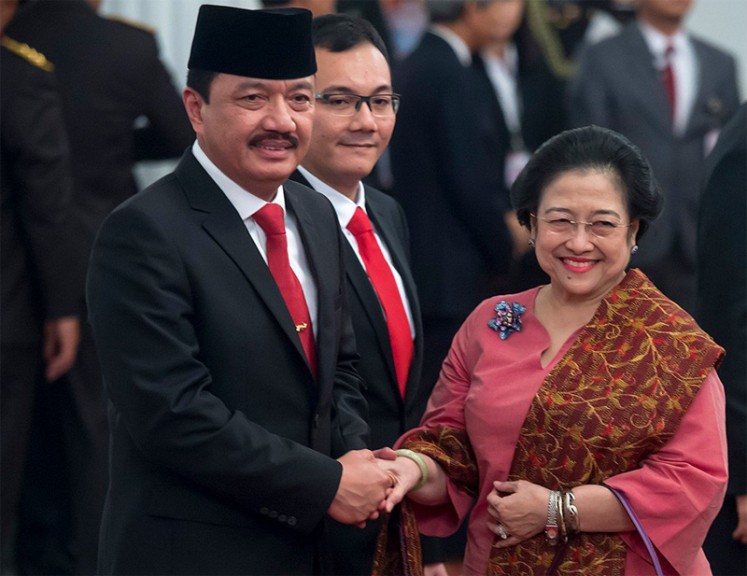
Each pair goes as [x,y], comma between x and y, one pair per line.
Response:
[634,249]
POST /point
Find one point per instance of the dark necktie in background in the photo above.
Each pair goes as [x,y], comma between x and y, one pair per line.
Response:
[382,278]
[270,218]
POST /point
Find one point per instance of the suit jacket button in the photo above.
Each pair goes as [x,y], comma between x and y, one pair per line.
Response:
[282,518]
[291,521]
[273,514]
[264,511]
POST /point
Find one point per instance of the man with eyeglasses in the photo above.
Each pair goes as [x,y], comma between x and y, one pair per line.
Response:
[353,122]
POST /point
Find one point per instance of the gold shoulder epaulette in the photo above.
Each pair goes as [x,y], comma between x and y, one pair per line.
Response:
[27,53]
[131,23]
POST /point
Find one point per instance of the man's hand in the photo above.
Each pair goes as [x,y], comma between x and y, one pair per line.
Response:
[362,491]
[61,339]
[740,533]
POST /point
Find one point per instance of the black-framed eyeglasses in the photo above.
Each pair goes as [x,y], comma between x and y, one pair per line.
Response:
[381,105]
[600,228]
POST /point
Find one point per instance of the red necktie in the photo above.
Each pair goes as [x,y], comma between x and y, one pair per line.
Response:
[271,220]
[667,76]
[386,289]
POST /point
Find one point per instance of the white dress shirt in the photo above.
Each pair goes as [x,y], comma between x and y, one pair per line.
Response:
[246,204]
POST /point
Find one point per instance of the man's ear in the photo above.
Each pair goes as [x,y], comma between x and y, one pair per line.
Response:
[193,104]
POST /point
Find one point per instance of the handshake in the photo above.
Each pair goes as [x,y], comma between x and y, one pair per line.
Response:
[374,482]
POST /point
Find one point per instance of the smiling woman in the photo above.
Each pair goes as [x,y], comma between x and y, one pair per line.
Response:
[601,383]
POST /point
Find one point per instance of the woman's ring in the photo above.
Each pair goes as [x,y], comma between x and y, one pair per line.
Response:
[502,532]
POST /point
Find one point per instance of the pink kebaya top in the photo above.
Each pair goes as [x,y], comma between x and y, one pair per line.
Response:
[486,387]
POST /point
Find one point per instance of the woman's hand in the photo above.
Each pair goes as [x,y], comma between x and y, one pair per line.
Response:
[405,474]
[519,509]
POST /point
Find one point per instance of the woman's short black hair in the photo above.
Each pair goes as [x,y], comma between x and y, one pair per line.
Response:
[590,148]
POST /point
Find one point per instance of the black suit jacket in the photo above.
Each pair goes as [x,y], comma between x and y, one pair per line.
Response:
[110,76]
[389,414]
[221,437]
[37,253]
[722,280]
[447,162]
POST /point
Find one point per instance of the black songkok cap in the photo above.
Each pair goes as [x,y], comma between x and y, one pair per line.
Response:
[269,44]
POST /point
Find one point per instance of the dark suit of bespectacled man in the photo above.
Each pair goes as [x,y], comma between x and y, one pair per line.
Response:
[232,443]
[348,138]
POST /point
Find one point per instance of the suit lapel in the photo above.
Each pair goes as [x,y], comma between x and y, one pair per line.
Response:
[322,270]
[642,74]
[224,225]
[707,110]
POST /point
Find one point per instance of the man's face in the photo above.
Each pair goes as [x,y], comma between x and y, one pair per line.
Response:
[669,10]
[495,22]
[344,149]
[256,131]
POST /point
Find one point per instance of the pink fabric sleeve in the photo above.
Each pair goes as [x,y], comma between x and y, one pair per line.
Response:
[678,491]
[446,408]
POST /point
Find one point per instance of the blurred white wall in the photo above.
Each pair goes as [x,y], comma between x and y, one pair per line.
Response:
[724,23]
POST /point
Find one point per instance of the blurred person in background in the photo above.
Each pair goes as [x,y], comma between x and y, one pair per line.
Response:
[670,93]
[42,268]
[529,99]
[120,106]
[722,310]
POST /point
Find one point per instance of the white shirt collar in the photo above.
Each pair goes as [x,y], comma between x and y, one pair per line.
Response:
[453,39]
[243,200]
[657,42]
[510,60]
[344,206]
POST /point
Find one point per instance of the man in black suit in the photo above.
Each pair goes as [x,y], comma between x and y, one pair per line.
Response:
[110,79]
[39,297]
[722,310]
[224,336]
[348,137]
[447,163]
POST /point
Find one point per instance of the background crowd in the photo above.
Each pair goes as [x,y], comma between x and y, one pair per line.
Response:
[428,228]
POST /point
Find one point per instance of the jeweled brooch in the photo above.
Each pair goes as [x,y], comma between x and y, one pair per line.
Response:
[507,318]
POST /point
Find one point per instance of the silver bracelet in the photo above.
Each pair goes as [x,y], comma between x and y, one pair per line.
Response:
[551,526]
[570,507]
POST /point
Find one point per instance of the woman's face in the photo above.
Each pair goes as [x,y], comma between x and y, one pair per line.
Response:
[584,262]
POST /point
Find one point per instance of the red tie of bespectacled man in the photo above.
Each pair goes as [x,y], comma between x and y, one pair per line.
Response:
[270,218]
[386,289]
